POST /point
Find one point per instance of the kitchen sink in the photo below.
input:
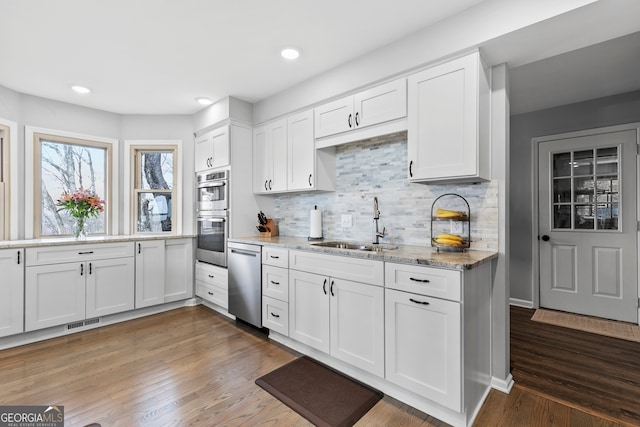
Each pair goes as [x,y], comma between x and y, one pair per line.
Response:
[355,246]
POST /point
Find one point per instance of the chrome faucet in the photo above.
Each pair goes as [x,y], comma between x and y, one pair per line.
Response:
[376,216]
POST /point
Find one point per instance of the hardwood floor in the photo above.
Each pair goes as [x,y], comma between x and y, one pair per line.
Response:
[194,367]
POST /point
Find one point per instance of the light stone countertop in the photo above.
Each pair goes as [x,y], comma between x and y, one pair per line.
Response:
[60,241]
[406,254]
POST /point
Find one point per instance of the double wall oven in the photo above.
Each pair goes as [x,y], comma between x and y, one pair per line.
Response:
[213,217]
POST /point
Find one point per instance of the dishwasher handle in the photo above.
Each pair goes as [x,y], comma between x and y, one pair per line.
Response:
[241,252]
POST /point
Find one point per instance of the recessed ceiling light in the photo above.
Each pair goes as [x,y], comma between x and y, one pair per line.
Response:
[204,101]
[290,53]
[81,89]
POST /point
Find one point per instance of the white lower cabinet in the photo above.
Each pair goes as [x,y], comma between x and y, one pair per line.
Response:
[212,284]
[423,349]
[340,317]
[11,292]
[71,283]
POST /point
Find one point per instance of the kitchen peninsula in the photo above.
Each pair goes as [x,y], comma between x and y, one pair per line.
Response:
[413,322]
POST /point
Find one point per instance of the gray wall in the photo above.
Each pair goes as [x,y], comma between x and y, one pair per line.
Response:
[28,110]
[608,111]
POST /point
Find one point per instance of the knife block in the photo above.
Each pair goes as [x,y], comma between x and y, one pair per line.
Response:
[273,229]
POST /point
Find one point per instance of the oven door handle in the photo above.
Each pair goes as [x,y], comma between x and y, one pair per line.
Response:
[212,184]
[202,218]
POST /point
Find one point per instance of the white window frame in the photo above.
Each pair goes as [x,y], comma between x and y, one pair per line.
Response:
[129,193]
[11,191]
[30,164]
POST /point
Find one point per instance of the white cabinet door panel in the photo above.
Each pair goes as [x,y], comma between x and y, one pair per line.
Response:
[110,286]
[309,309]
[357,324]
[11,292]
[381,103]
[300,151]
[178,269]
[149,273]
[54,295]
[423,347]
[334,117]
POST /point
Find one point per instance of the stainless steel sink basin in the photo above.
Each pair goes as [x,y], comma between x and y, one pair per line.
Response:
[355,246]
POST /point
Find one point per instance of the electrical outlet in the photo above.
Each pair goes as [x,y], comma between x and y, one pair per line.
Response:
[347,221]
[457,227]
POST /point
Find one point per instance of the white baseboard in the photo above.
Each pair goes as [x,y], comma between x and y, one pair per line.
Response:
[503,385]
[521,303]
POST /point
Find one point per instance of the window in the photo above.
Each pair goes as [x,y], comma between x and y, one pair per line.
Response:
[154,189]
[66,165]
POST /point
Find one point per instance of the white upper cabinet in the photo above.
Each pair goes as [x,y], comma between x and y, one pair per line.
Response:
[448,122]
[212,149]
[285,158]
[270,157]
[370,107]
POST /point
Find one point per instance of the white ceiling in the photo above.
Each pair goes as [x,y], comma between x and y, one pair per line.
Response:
[157,56]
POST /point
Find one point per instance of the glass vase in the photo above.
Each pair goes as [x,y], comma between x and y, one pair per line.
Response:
[80,233]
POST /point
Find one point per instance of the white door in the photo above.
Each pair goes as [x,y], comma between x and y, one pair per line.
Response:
[587,225]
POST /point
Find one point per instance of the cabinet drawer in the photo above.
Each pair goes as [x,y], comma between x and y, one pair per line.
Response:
[275,315]
[212,293]
[435,282]
[73,253]
[212,275]
[275,256]
[275,282]
[341,267]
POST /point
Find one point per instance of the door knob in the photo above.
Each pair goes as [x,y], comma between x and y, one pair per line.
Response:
[545,238]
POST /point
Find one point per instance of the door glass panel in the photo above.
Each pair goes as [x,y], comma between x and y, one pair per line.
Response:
[562,190]
[607,216]
[583,189]
[584,219]
[607,161]
[586,190]
[583,162]
[562,216]
[562,164]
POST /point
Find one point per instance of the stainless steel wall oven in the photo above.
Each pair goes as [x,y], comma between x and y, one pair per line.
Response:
[213,217]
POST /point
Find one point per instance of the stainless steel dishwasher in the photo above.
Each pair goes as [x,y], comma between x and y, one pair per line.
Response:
[244,265]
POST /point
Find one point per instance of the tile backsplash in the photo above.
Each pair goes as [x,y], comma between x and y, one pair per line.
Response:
[378,168]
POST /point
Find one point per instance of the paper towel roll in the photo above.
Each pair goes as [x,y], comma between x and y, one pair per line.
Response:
[316,223]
